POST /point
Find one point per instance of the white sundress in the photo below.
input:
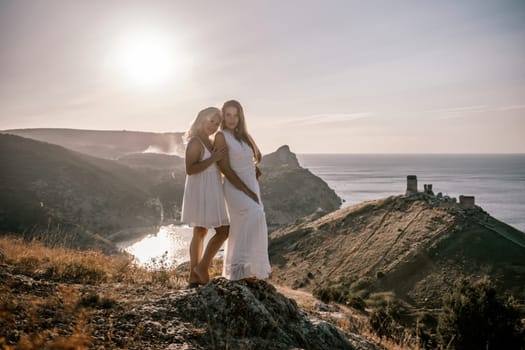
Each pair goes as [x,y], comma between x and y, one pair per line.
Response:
[246,252]
[203,202]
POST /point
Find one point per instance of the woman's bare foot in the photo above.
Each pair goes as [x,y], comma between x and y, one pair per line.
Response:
[202,274]
[193,278]
[251,279]
[193,285]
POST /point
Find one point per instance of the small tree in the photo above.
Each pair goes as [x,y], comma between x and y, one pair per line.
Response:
[473,317]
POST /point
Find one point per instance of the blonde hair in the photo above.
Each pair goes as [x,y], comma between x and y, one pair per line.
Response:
[196,125]
[241,131]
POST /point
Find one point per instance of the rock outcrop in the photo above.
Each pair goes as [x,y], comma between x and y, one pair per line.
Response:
[282,157]
[246,315]
[291,193]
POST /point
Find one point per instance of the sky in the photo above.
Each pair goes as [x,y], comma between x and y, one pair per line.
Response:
[320,76]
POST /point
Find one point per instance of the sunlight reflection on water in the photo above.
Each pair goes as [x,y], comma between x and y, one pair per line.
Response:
[172,240]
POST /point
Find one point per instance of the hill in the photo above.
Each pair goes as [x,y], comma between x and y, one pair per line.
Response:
[110,144]
[291,192]
[48,187]
[167,176]
[415,246]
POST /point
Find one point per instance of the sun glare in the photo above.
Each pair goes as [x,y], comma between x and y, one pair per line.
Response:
[150,58]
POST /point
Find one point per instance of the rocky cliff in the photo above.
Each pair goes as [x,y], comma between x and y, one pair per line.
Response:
[291,193]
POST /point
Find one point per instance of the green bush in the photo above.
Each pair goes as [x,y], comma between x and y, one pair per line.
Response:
[474,317]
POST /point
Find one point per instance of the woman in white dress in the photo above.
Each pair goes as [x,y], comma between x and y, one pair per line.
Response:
[203,205]
[246,254]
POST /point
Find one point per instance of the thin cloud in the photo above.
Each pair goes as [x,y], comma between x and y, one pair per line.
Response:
[470,109]
[511,108]
[329,118]
[466,111]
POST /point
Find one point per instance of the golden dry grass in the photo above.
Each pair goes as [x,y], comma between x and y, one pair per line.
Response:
[348,319]
[70,271]
[34,259]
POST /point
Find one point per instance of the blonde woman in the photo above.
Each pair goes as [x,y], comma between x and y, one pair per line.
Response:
[203,205]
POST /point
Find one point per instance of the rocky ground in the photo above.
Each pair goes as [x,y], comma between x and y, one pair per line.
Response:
[39,313]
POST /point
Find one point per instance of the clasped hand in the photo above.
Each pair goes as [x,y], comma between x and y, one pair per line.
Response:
[217,154]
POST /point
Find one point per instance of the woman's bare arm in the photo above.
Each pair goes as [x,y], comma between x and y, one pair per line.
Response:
[194,150]
[224,165]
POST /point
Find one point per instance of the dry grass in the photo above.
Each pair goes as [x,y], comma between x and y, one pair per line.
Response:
[23,314]
[59,264]
[70,304]
[63,287]
[34,259]
[349,319]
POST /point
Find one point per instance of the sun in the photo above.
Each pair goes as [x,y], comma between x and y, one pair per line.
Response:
[149,58]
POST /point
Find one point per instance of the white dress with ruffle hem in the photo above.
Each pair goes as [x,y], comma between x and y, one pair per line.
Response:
[203,202]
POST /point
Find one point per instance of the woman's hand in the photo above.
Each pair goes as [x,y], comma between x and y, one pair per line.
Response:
[252,195]
[217,154]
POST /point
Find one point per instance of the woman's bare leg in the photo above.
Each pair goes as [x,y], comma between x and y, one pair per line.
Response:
[214,244]
[196,251]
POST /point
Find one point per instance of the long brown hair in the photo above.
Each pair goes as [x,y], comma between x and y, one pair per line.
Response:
[241,131]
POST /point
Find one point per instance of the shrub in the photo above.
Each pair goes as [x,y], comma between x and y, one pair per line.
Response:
[363,284]
[356,302]
[382,322]
[385,318]
[426,331]
[92,299]
[474,317]
[81,272]
[328,294]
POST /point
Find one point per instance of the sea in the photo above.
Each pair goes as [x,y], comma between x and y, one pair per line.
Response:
[497,181]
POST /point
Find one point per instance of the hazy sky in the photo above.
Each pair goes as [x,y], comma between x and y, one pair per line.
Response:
[321,76]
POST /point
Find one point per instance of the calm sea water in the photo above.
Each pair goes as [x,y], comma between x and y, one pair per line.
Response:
[497,182]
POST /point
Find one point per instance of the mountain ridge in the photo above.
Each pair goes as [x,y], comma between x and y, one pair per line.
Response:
[47,185]
[109,144]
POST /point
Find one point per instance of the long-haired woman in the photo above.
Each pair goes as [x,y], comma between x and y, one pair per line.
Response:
[203,205]
[246,253]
